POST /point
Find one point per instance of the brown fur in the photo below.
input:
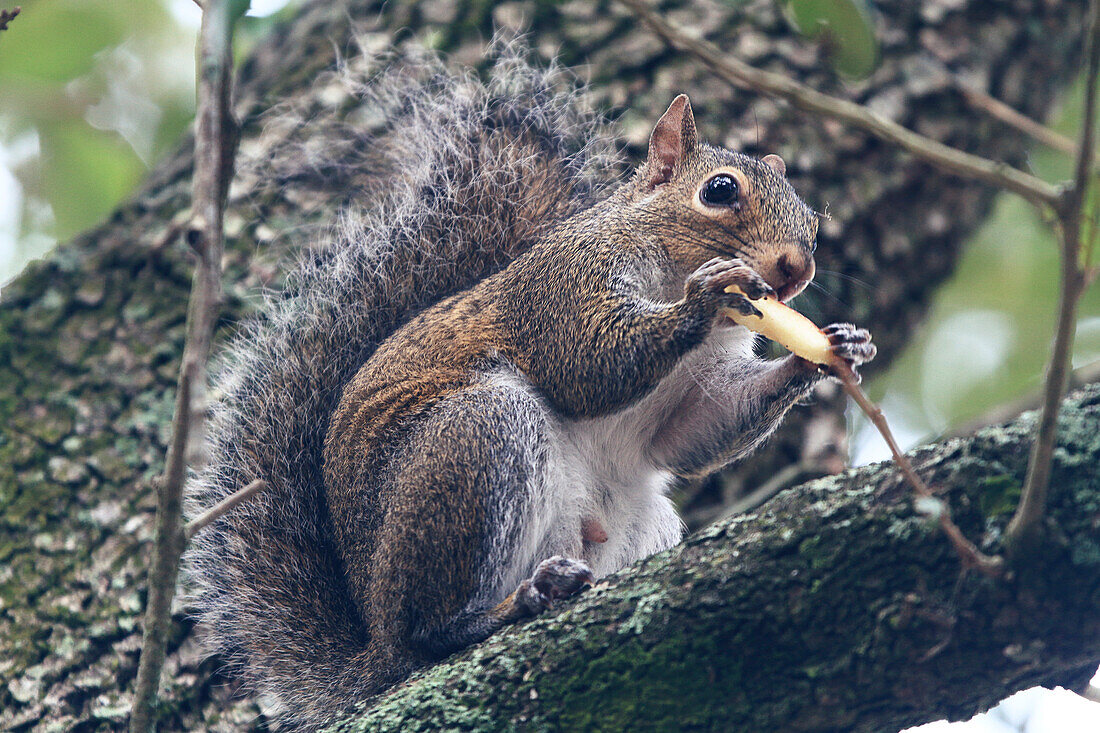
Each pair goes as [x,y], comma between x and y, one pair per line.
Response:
[405,399]
[561,314]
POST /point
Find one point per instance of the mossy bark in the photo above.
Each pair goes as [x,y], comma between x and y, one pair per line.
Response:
[90,336]
[834,607]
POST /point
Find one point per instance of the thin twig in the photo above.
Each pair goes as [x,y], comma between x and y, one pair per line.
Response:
[1024,529]
[783,479]
[7,16]
[1006,114]
[803,97]
[223,506]
[215,144]
[928,503]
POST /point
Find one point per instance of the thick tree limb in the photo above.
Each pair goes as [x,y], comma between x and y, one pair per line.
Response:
[834,607]
[90,338]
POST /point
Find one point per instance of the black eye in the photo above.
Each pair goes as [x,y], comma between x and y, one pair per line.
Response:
[720,191]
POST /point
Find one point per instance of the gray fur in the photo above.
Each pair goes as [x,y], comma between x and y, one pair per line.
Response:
[265,578]
[601,384]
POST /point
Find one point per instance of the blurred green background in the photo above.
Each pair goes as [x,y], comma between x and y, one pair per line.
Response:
[94,92]
[988,335]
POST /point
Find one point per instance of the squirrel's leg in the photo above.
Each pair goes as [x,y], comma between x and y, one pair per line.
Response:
[458,555]
[731,405]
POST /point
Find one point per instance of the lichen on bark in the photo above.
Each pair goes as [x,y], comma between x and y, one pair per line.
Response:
[835,606]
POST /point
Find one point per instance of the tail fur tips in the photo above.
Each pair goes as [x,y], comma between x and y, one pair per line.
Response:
[462,175]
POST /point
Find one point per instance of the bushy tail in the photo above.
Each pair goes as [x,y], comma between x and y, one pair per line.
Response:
[475,172]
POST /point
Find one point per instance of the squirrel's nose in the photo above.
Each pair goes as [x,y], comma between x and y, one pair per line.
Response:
[794,269]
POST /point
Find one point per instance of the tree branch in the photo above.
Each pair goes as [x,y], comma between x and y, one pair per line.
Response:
[999,110]
[803,97]
[1024,530]
[927,503]
[723,632]
[215,145]
[223,506]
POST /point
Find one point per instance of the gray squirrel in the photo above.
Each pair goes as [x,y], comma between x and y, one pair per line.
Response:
[473,400]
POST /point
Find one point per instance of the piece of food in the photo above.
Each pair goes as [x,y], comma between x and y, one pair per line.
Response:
[783,324]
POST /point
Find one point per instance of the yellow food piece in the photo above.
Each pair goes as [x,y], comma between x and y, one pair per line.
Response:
[786,326]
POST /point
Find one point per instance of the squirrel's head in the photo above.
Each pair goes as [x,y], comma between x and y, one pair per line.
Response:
[717,203]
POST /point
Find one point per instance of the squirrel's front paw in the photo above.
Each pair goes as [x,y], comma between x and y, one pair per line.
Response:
[710,281]
[850,344]
[554,578]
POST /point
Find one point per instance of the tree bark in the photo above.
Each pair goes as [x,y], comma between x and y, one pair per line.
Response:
[90,337]
[834,607]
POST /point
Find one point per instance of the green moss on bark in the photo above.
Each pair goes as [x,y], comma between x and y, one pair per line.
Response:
[833,606]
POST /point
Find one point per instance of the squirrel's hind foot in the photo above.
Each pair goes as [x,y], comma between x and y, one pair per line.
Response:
[554,578]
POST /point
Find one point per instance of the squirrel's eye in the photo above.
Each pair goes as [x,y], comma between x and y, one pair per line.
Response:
[719,191]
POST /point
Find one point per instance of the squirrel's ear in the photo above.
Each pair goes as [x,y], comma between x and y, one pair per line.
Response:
[673,138]
[775,163]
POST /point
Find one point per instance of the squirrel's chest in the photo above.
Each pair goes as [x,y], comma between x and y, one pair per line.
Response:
[600,470]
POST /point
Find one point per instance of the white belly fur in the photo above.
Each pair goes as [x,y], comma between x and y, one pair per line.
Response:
[598,469]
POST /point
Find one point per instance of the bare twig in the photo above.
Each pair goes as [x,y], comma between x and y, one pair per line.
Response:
[927,502]
[7,16]
[943,156]
[215,144]
[784,479]
[223,506]
[1006,114]
[1024,529]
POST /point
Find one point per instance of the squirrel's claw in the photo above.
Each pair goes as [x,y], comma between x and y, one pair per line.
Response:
[742,305]
[713,277]
[852,345]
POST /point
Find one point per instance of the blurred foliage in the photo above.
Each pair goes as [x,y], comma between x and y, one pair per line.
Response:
[92,93]
[988,336]
[845,26]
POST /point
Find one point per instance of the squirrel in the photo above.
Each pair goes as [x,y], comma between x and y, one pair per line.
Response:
[473,401]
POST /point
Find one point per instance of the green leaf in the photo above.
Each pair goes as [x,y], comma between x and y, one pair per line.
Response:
[87,172]
[846,26]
